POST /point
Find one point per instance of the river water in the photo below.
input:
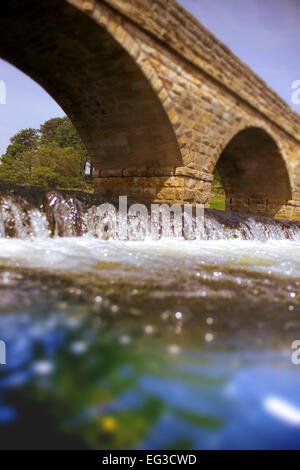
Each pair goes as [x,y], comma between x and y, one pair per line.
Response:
[148,344]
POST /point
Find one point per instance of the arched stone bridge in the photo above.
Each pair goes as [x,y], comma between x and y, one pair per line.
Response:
[159,102]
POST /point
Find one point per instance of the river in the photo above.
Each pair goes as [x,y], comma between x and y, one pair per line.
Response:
[148,344]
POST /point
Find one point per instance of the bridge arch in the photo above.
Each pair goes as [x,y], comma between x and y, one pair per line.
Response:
[97,82]
[254,173]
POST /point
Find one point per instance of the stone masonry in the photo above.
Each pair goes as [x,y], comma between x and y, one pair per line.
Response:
[159,102]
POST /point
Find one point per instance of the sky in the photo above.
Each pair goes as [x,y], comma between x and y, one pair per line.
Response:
[265,34]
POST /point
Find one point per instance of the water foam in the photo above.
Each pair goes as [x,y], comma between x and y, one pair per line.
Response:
[61,216]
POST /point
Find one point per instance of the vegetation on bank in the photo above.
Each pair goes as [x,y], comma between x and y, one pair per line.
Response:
[55,156]
[51,156]
[217,200]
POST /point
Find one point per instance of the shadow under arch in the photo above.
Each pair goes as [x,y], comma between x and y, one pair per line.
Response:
[96,82]
[254,174]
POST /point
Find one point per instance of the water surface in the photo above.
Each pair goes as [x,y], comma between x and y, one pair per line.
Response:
[166,344]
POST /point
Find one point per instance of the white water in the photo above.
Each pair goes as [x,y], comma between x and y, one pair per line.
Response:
[226,305]
[67,217]
[47,238]
[154,259]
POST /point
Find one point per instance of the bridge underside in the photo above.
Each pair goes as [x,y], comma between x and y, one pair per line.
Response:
[100,87]
[254,174]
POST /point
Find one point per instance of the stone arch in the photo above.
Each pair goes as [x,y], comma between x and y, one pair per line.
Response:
[254,173]
[101,87]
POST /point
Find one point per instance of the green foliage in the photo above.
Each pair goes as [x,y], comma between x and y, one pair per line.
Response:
[217,200]
[53,156]
[49,128]
[44,175]
[28,138]
[217,182]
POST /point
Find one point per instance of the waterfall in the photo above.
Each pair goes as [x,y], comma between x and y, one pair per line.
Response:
[60,214]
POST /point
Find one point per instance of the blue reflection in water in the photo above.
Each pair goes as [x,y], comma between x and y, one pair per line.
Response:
[136,395]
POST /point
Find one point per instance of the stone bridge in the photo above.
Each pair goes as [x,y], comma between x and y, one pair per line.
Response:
[159,102]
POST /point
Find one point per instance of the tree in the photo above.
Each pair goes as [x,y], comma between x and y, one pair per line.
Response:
[49,128]
[62,132]
[23,141]
[53,156]
[45,176]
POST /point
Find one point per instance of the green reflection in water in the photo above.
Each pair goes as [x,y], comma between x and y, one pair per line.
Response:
[120,366]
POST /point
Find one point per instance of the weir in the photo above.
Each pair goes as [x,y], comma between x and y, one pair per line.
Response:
[35,212]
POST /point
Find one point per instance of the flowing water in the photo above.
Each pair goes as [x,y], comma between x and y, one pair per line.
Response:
[146,344]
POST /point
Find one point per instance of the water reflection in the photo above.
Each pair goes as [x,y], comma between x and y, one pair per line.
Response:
[155,372]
